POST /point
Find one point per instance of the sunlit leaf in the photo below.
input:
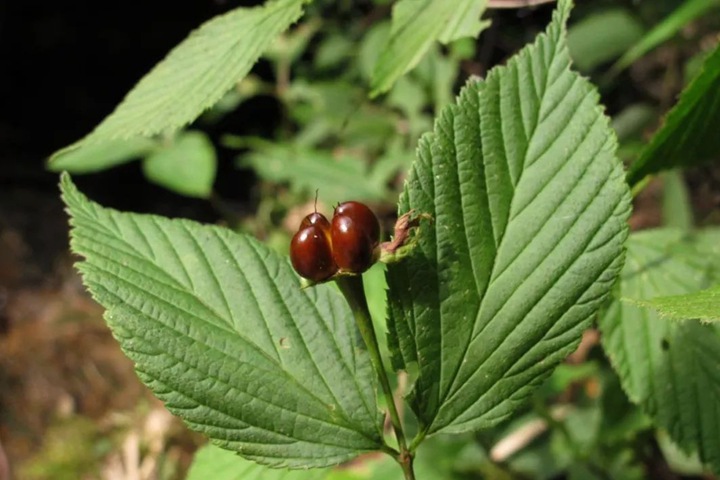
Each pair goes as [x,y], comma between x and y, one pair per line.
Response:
[220,330]
[529,209]
[416,24]
[96,157]
[198,72]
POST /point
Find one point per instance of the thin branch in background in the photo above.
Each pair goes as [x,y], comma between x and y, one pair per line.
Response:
[515,3]
[524,435]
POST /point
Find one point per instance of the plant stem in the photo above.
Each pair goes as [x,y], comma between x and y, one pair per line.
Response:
[352,289]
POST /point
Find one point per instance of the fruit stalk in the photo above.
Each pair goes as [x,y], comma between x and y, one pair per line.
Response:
[352,289]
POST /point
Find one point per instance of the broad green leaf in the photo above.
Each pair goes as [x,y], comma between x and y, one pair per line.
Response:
[214,463]
[416,24]
[669,368]
[337,178]
[689,134]
[96,157]
[198,72]
[602,37]
[186,166]
[529,209]
[703,305]
[220,330]
[688,11]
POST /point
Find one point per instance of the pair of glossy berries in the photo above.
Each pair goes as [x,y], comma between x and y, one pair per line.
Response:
[320,249]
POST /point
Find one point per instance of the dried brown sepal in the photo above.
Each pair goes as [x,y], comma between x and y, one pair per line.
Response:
[404,236]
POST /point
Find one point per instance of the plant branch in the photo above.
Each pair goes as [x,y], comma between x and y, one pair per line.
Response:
[352,289]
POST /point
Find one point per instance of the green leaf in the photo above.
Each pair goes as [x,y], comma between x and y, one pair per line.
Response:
[214,463]
[689,134]
[220,330]
[187,166]
[198,72]
[529,210]
[416,24]
[669,368]
[703,305]
[92,158]
[688,11]
[602,36]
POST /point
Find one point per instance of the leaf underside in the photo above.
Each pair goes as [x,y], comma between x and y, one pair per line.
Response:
[669,368]
[220,330]
[529,208]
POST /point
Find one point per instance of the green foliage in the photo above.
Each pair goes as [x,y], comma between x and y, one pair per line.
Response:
[529,207]
[219,329]
[689,134]
[416,24]
[187,165]
[198,72]
[703,305]
[307,168]
[529,211]
[669,368]
[688,11]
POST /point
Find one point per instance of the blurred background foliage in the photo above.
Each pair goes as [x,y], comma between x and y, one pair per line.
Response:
[303,122]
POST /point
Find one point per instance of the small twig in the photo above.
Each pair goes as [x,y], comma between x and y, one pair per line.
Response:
[515,3]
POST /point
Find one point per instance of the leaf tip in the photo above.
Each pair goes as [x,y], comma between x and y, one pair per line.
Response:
[70,194]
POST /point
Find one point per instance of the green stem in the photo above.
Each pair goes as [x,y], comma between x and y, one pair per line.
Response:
[352,289]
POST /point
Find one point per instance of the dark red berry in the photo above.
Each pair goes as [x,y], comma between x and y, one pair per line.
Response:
[311,253]
[352,247]
[362,217]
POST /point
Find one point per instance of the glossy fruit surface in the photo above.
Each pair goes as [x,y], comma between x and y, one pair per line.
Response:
[363,219]
[352,247]
[311,253]
[316,218]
